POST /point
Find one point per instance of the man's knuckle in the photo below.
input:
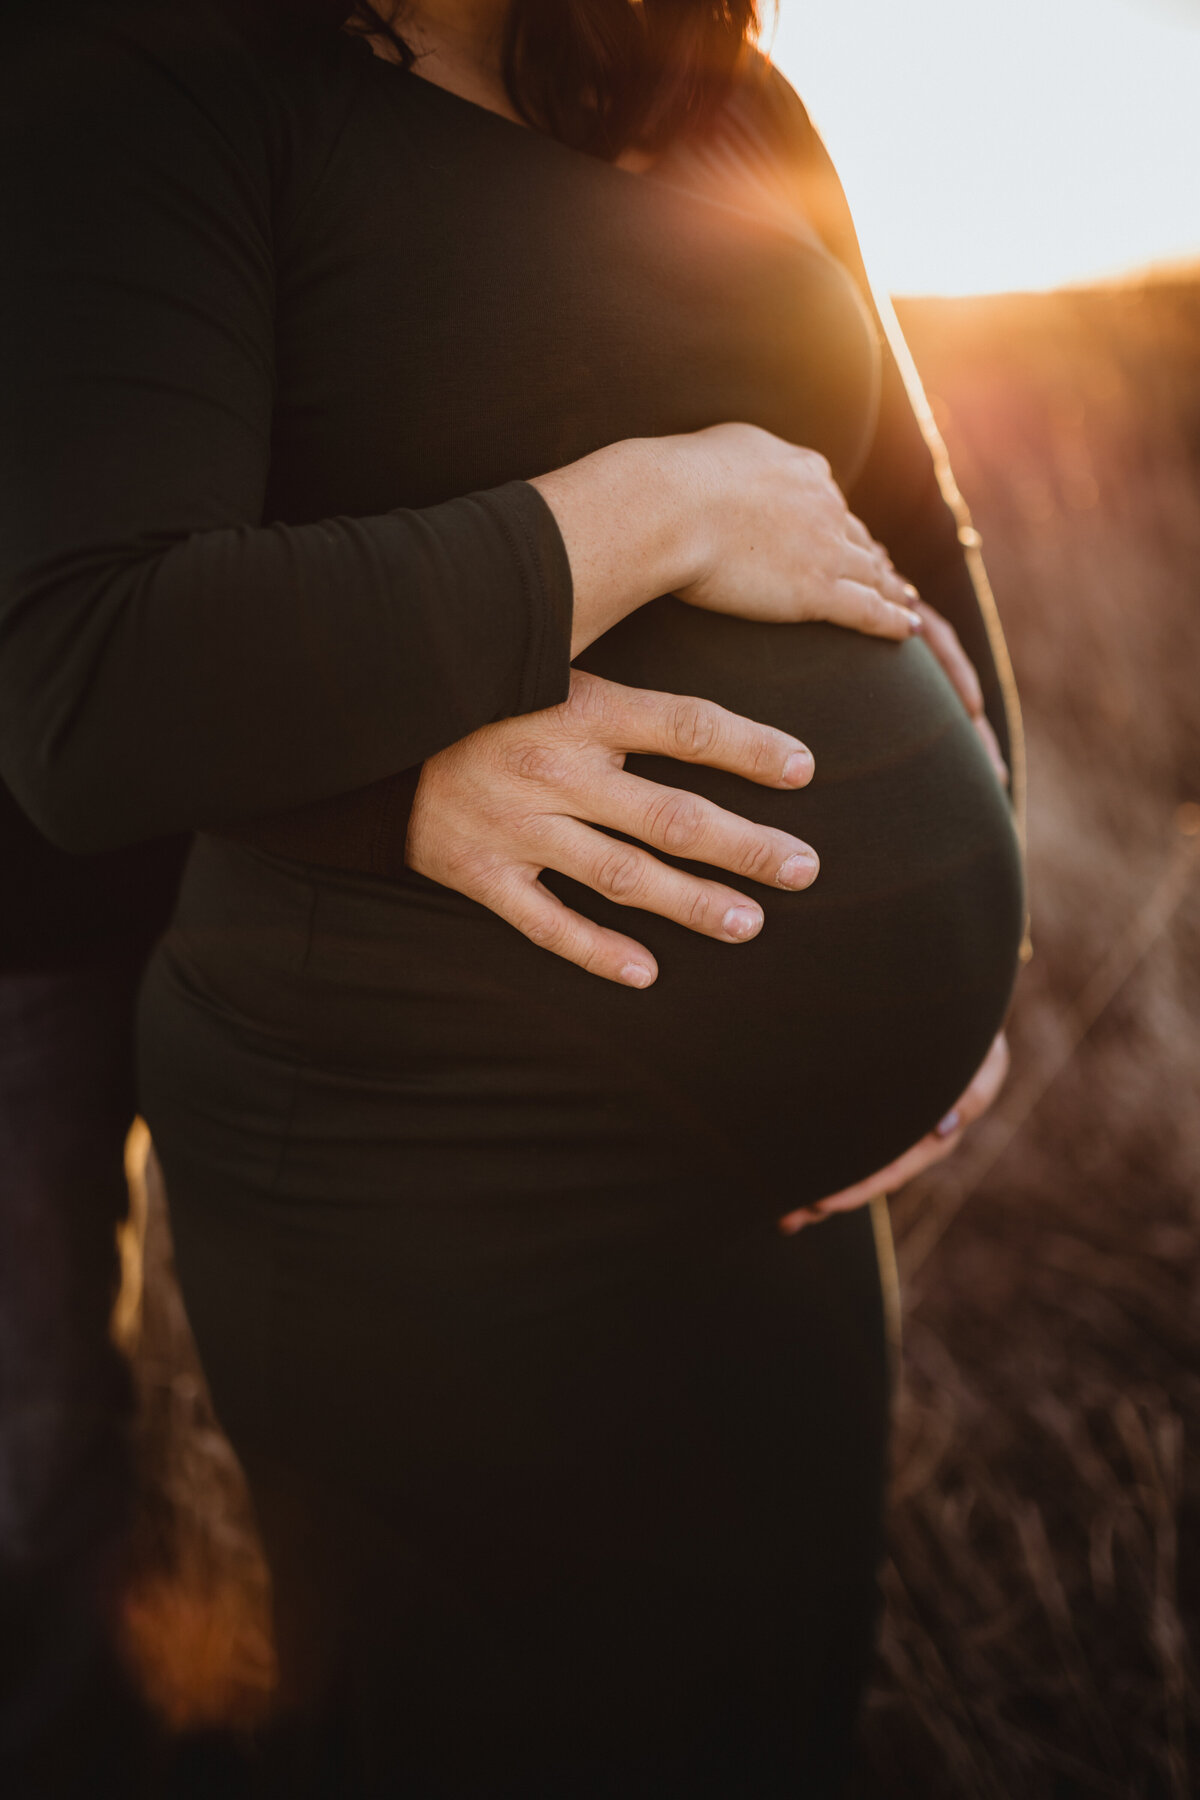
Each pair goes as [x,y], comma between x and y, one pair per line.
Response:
[756,857]
[695,728]
[674,823]
[765,755]
[547,932]
[539,764]
[619,874]
[698,908]
[461,865]
[593,959]
[591,702]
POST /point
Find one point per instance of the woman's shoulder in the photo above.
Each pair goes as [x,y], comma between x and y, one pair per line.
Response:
[764,119]
[776,138]
[759,152]
[764,105]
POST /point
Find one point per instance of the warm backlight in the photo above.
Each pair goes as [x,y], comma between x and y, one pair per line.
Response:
[997,144]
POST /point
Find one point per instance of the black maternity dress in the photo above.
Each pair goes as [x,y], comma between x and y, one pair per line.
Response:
[568,1463]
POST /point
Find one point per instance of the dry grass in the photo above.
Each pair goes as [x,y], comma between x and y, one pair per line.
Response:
[1043,1586]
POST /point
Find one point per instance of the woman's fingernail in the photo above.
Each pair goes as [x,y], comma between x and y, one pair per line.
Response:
[798,768]
[916,623]
[950,1124]
[798,871]
[911,591]
[637,975]
[741,922]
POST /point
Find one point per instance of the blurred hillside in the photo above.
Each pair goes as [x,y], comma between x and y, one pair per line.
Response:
[1044,1589]
[1044,1581]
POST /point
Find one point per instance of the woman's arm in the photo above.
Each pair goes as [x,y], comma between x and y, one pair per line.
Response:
[729,519]
[166,659]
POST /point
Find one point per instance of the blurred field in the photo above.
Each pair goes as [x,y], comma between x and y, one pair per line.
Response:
[1043,1587]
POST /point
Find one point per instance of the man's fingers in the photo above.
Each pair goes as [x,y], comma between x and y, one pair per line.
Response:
[693,730]
[632,877]
[686,825]
[522,901]
[861,607]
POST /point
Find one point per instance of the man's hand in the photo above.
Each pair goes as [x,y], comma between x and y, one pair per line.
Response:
[527,794]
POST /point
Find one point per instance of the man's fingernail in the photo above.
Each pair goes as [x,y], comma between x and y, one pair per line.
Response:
[798,871]
[950,1124]
[741,922]
[798,768]
[637,975]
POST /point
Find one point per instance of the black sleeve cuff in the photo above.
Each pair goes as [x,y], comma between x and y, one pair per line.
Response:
[537,546]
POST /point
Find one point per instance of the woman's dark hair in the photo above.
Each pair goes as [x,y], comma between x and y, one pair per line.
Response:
[605,75]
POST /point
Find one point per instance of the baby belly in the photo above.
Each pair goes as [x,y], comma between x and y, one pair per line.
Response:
[407,1032]
[858,1016]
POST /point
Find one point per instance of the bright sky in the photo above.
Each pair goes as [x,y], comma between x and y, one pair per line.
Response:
[993,144]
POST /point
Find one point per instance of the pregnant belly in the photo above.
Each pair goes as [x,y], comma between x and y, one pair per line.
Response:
[857,1017]
[412,1036]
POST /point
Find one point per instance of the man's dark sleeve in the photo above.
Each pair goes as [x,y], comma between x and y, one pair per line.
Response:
[167,660]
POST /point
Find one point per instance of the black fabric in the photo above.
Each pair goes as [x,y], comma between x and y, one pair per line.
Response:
[59,911]
[569,1465]
[179,645]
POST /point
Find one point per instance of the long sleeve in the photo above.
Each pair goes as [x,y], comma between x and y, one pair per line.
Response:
[167,660]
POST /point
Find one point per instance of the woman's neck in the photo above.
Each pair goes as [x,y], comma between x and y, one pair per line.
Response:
[458,45]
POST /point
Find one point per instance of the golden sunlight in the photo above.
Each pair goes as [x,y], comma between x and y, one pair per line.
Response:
[988,145]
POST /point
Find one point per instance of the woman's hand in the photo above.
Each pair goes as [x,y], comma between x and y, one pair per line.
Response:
[931,1149]
[735,520]
[944,643]
[781,545]
[494,810]
[731,519]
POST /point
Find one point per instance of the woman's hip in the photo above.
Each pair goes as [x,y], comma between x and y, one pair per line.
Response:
[499,1246]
